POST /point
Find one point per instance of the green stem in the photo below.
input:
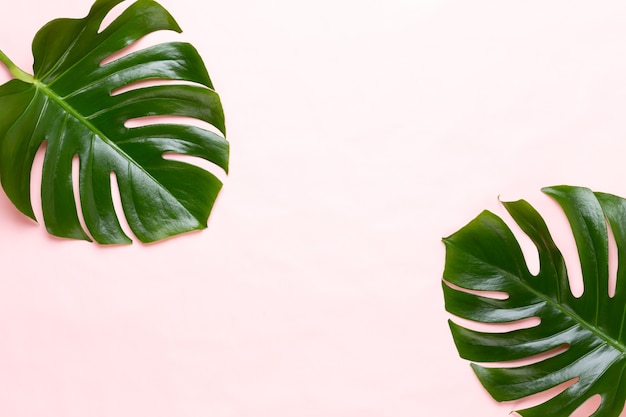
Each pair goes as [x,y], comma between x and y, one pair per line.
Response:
[14,69]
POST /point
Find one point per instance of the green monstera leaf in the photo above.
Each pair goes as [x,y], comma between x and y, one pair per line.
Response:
[578,339]
[79,102]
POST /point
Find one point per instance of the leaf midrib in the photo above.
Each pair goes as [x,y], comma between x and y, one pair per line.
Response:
[598,332]
[49,92]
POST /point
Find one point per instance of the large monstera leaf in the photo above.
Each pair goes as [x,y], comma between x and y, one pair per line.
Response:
[578,339]
[79,102]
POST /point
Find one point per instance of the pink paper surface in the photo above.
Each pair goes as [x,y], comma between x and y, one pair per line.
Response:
[362,132]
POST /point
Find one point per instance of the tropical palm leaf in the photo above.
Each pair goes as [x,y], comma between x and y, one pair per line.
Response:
[72,104]
[484,256]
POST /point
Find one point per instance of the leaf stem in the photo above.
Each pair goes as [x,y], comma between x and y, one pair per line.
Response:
[14,69]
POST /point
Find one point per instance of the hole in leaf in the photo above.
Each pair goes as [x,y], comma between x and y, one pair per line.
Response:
[217,171]
[563,237]
[529,250]
[496,295]
[151,83]
[588,407]
[76,191]
[36,173]
[526,323]
[113,14]
[119,209]
[529,360]
[147,41]
[531,256]
[181,120]
[541,397]
[613,261]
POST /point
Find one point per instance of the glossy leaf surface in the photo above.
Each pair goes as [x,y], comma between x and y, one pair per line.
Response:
[74,104]
[582,339]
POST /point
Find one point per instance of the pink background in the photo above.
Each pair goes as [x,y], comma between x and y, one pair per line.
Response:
[362,132]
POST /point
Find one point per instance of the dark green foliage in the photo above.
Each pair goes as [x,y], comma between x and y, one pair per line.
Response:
[485,256]
[71,105]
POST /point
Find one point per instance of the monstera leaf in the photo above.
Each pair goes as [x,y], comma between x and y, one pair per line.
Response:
[579,339]
[79,102]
